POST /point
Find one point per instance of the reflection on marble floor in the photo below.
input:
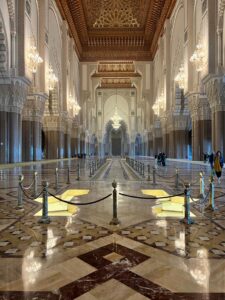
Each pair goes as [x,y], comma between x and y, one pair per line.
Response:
[83,257]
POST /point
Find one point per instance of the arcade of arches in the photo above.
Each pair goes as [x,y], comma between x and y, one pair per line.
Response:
[85,87]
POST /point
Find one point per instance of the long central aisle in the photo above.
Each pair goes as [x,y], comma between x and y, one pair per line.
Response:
[82,256]
[116,170]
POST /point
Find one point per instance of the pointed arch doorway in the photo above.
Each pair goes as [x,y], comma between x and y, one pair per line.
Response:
[116,142]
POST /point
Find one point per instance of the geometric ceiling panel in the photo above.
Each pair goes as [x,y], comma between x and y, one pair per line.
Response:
[115,29]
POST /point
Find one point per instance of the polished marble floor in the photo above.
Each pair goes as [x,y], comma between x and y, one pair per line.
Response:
[83,257]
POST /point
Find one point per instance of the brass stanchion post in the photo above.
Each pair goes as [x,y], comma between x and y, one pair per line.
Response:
[211,205]
[153,175]
[149,173]
[202,186]
[56,179]
[68,175]
[35,183]
[177,179]
[115,220]
[187,218]
[45,218]
[20,194]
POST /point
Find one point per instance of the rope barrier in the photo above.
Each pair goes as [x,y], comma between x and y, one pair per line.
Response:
[194,182]
[169,177]
[151,198]
[220,196]
[78,203]
[29,196]
[29,186]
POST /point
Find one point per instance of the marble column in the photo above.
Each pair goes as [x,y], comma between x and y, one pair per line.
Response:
[167,143]
[11,138]
[157,145]
[215,90]
[201,126]
[219,131]
[132,149]
[54,130]
[14,123]
[76,141]
[37,141]
[201,138]
[14,91]
[52,145]
[72,147]
[4,150]
[31,140]
[27,137]
[61,144]
[181,144]
[171,150]
[151,152]
[67,145]
[33,111]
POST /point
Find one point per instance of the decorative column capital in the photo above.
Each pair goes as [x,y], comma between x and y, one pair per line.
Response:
[13,94]
[215,90]
[163,120]
[157,130]
[199,106]
[177,122]
[34,106]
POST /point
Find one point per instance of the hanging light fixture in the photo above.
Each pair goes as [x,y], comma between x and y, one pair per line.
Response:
[198,57]
[73,106]
[155,108]
[52,79]
[116,118]
[76,108]
[159,104]
[34,59]
[180,78]
[161,101]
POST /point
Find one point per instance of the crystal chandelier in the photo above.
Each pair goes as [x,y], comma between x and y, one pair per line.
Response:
[159,105]
[155,108]
[34,59]
[52,79]
[180,78]
[198,58]
[76,108]
[116,118]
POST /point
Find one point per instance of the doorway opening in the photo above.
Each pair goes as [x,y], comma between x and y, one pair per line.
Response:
[116,142]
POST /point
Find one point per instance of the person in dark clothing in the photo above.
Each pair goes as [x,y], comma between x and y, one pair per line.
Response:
[159,158]
[163,159]
[211,159]
[218,165]
[205,157]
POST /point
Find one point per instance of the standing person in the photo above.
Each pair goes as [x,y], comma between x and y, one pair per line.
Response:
[163,159]
[211,159]
[218,165]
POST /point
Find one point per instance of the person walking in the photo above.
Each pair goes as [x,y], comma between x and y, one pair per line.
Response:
[218,165]
[211,159]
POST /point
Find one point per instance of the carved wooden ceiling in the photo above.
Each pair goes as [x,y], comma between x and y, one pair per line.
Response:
[115,29]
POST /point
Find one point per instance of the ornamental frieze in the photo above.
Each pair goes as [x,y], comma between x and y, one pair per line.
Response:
[13,94]
[215,90]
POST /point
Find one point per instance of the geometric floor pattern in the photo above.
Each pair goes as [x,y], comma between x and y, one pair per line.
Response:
[202,239]
[83,257]
[26,236]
